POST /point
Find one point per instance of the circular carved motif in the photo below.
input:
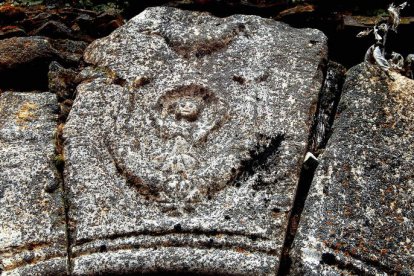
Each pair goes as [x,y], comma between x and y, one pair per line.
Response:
[181,148]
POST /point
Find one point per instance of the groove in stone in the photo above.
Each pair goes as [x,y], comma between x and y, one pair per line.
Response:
[207,244]
[329,96]
[200,49]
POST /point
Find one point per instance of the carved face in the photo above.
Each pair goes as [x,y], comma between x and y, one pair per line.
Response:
[187,108]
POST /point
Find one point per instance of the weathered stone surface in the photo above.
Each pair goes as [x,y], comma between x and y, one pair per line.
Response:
[359,215]
[24,61]
[54,29]
[64,22]
[18,51]
[32,218]
[71,51]
[183,154]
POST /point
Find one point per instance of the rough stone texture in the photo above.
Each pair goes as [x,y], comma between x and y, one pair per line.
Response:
[32,219]
[62,81]
[24,61]
[359,215]
[18,51]
[53,29]
[70,51]
[184,146]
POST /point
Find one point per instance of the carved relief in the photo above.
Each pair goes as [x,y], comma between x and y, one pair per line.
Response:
[205,47]
[192,112]
[170,160]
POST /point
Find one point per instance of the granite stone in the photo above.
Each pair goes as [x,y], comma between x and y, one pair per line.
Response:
[32,217]
[359,215]
[185,143]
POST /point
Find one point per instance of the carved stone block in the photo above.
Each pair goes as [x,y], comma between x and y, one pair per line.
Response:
[185,143]
[32,217]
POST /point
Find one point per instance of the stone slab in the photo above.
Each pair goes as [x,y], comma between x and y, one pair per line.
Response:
[185,143]
[32,217]
[359,215]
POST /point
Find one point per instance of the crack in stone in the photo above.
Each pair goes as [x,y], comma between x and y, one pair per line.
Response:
[319,134]
[327,105]
[60,168]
